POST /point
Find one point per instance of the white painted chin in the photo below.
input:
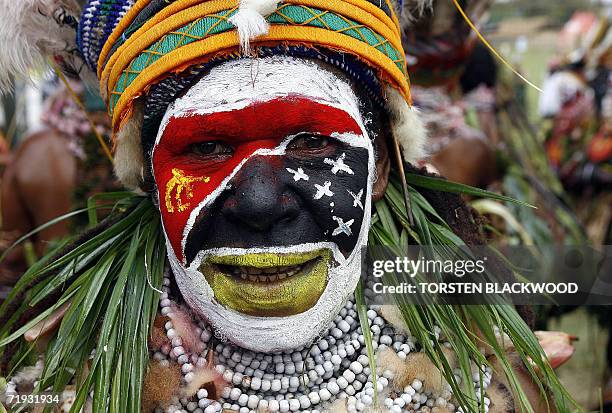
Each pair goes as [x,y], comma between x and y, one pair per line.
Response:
[271,334]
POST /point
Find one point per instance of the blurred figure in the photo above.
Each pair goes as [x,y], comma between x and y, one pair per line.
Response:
[577,97]
[440,48]
[46,177]
[464,104]
[478,84]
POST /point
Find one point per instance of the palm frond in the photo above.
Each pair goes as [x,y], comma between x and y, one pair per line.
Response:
[111,282]
[458,323]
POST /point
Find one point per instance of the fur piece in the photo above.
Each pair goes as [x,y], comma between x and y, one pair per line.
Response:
[387,359]
[206,378]
[251,20]
[419,366]
[416,366]
[129,159]
[27,376]
[440,410]
[393,316]
[158,338]
[501,398]
[32,31]
[160,385]
[183,323]
[407,126]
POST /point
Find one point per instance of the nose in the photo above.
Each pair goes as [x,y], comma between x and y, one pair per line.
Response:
[260,199]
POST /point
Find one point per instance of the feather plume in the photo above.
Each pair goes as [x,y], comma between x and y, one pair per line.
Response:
[251,20]
[208,379]
[33,31]
[186,328]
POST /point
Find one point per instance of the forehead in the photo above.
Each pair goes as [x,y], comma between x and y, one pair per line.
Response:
[237,84]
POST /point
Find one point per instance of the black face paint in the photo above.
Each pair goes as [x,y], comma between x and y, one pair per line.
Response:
[288,200]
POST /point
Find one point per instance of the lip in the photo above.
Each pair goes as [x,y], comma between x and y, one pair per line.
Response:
[268,284]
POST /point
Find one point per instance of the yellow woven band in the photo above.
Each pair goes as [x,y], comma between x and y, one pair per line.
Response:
[189,31]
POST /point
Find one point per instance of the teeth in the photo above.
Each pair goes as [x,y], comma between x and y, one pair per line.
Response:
[266,275]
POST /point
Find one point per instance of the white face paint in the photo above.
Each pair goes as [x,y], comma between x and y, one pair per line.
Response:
[234,86]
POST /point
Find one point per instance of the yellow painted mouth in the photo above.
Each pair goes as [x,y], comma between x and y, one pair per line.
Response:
[268,285]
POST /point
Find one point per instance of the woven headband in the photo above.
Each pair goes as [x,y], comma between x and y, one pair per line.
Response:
[140,52]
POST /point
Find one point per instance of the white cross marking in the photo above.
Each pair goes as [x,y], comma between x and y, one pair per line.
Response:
[323,190]
[357,199]
[339,165]
[343,227]
[299,174]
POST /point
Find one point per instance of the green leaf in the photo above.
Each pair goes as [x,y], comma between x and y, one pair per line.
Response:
[443,185]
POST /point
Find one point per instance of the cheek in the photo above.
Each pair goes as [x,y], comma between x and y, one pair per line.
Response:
[184,183]
[334,191]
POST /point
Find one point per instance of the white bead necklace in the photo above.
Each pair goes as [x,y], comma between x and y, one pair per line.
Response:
[305,380]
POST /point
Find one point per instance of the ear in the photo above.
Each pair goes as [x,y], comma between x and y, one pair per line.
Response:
[383,166]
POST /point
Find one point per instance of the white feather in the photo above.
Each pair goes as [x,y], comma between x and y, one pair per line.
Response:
[407,126]
[413,9]
[31,31]
[250,20]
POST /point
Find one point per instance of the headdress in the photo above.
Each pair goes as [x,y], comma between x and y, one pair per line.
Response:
[133,45]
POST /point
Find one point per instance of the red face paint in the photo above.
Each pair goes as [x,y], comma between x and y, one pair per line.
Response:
[185,179]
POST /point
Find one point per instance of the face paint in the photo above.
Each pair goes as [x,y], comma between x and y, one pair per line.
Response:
[264,171]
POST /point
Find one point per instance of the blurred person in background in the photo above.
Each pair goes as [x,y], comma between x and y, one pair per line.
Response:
[70,166]
[576,98]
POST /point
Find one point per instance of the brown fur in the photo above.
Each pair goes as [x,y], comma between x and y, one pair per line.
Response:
[160,385]
[157,338]
[501,398]
[537,399]
[416,366]
[440,410]
[158,335]
[393,316]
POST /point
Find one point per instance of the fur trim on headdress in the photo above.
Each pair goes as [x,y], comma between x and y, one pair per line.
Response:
[250,21]
[32,31]
[129,159]
[407,126]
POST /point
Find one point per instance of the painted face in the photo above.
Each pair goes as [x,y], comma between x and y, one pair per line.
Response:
[264,172]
